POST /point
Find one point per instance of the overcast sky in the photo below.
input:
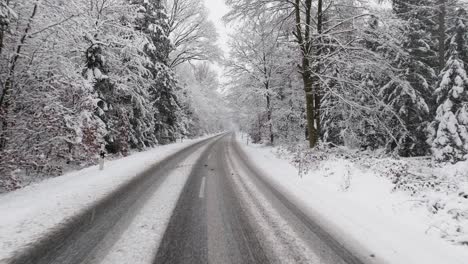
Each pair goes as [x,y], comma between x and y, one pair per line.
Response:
[217,10]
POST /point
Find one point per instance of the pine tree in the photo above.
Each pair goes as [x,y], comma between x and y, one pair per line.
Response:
[168,115]
[113,104]
[459,15]
[420,42]
[410,92]
[411,107]
[70,94]
[449,131]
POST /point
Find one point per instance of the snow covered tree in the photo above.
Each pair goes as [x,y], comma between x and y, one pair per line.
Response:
[353,113]
[200,99]
[192,34]
[82,73]
[409,90]
[300,16]
[6,15]
[255,55]
[408,103]
[420,42]
[168,117]
[449,131]
[454,17]
[46,101]
[115,67]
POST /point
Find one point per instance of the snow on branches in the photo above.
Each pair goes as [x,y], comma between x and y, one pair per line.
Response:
[78,75]
[449,131]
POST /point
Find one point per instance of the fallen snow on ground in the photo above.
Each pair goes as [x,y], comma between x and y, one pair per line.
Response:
[397,210]
[29,213]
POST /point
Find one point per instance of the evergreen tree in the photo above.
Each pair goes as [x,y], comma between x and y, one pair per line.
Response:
[168,115]
[80,76]
[410,106]
[459,15]
[332,117]
[121,105]
[354,113]
[410,93]
[449,131]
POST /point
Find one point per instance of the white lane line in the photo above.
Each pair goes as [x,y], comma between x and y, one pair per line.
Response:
[202,188]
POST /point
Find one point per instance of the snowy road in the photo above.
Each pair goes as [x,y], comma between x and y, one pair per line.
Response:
[209,224]
[205,204]
[90,233]
[228,214]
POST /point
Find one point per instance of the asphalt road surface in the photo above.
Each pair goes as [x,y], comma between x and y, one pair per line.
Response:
[215,219]
[227,212]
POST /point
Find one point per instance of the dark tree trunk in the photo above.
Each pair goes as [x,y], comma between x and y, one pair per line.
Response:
[2,36]
[269,114]
[8,85]
[3,29]
[317,83]
[304,40]
[441,33]
[267,76]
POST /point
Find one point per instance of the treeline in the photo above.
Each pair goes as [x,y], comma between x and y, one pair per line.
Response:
[347,72]
[79,76]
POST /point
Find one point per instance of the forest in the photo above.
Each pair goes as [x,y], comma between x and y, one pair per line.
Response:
[363,74]
[82,76]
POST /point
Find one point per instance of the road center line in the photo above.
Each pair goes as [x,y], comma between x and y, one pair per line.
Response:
[202,188]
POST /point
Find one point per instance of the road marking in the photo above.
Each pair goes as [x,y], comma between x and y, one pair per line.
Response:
[202,188]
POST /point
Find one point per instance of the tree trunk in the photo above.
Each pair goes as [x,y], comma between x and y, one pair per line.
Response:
[2,36]
[310,110]
[441,33]
[317,84]
[268,98]
[304,40]
[3,29]
[8,85]
[269,113]
[14,60]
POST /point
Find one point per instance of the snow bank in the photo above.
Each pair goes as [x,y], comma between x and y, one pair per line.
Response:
[30,213]
[361,208]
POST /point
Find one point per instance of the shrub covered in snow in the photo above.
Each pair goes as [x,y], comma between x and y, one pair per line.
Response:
[439,191]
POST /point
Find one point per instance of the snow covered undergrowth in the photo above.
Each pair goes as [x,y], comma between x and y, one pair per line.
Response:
[30,213]
[397,209]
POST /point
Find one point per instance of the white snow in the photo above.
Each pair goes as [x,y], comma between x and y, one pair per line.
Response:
[29,213]
[361,209]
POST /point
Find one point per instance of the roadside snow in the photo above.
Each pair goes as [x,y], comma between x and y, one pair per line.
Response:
[363,209]
[30,213]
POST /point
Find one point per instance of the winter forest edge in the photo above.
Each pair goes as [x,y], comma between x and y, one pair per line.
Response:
[79,75]
[387,77]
